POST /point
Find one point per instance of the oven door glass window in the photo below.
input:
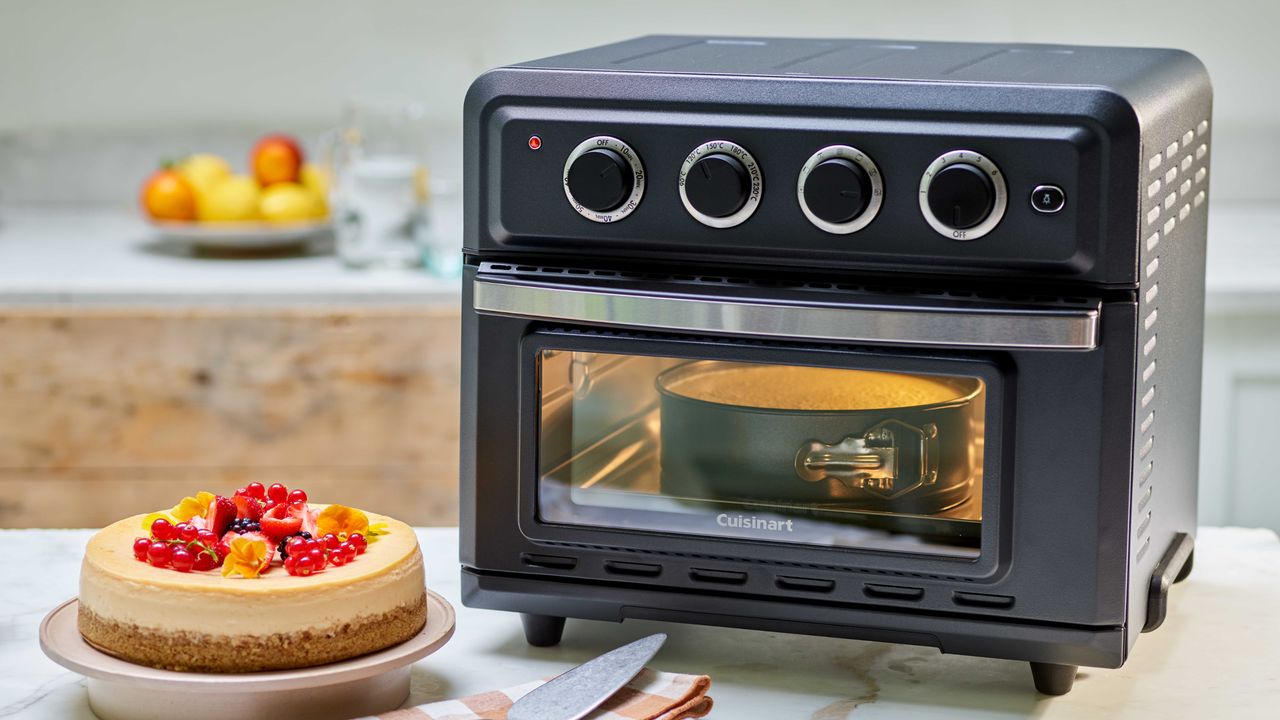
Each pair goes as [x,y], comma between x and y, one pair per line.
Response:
[835,457]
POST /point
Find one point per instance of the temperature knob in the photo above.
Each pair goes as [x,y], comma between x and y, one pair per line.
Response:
[720,184]
[603,179]
[840,189]
[963,195]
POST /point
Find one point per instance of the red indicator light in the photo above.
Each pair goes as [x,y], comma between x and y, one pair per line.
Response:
[535,142]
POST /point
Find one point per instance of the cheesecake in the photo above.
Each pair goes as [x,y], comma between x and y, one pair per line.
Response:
[300,584]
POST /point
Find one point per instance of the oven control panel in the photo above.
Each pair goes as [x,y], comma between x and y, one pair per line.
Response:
[831,193]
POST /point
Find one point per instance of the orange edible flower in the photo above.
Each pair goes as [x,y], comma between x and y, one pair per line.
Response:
[342,521]
[245,557]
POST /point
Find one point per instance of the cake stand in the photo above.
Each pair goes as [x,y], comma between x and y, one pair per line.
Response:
[366,685]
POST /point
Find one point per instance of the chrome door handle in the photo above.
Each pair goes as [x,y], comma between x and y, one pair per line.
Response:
[1049,328]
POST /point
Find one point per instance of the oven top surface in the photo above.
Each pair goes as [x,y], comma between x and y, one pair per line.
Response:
[867,58]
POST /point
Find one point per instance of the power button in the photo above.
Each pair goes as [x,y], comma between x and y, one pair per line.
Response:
[1048,199]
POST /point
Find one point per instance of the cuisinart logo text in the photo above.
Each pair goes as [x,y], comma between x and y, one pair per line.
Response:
[751,522]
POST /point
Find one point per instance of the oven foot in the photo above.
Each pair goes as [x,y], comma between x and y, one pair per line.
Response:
[1186,568]
[1053,679]
[542,630]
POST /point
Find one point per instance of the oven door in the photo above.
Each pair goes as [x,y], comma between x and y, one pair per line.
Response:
[838,427]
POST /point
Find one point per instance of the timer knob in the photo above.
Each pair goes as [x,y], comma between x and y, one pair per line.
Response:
[603,179]
[720,184]
[717,185]
[963,195]
[600,179]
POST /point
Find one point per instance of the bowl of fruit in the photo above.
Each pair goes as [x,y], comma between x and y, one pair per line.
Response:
[200,200]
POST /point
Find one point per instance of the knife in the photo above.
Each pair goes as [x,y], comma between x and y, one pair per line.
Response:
[577,692]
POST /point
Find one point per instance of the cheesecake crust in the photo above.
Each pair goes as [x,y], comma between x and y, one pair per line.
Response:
[200,652]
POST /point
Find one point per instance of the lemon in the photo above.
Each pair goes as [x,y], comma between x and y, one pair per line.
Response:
[233,199]
[204,170]
[316,178]
[290,202]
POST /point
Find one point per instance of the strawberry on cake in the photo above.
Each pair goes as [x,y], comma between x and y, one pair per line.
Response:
[261,580]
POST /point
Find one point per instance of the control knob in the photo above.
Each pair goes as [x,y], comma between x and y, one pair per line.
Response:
[720,184]
[603,179]
[840,189]
[963,195]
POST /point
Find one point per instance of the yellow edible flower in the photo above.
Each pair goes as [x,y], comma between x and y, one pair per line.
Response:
[146,521]
[342,521]
[192,506]
[245,556]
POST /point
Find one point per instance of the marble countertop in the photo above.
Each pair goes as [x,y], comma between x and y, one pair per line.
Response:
[113,257]
[1217,655]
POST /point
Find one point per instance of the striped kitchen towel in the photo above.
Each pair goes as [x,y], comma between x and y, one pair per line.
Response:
[651,695]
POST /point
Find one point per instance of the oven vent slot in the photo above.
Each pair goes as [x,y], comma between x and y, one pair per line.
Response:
[982,600]
[720,577]
[804,584]
[549,562]
[494,268]
[892,592]
[633,569]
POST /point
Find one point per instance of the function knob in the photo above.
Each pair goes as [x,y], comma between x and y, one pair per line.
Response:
[840,189]
[720,184]
[603,179]
[963,195]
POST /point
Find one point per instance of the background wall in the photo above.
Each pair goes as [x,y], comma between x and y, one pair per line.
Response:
[131,66]
[93,94]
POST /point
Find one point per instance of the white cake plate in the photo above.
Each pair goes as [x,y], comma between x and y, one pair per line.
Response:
[367,685]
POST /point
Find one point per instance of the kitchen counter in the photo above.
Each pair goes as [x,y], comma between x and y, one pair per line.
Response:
[113,258]
[1215,656]
[106,256]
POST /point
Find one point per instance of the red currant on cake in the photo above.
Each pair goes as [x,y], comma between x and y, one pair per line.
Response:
[159,554]
[187,532]
[278,493]
[140,548]
[162,530]
[357,540]
[182,560]
[296,496]
[255,490]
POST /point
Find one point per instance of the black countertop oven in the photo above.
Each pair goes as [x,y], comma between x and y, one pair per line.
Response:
[879,340]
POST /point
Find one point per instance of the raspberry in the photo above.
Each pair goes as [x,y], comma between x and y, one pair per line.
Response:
[359,542]
[278,493]
[298,496]
[140,548]
[159,554]
[161,529]
[182,560]
[248,508]
[256,491]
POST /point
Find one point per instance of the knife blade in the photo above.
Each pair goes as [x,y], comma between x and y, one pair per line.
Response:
[580,690]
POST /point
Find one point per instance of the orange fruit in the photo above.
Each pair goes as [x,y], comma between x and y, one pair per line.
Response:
[276,159]
[166,195]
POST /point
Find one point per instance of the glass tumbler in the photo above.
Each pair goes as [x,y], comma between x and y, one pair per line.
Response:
[379,195]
